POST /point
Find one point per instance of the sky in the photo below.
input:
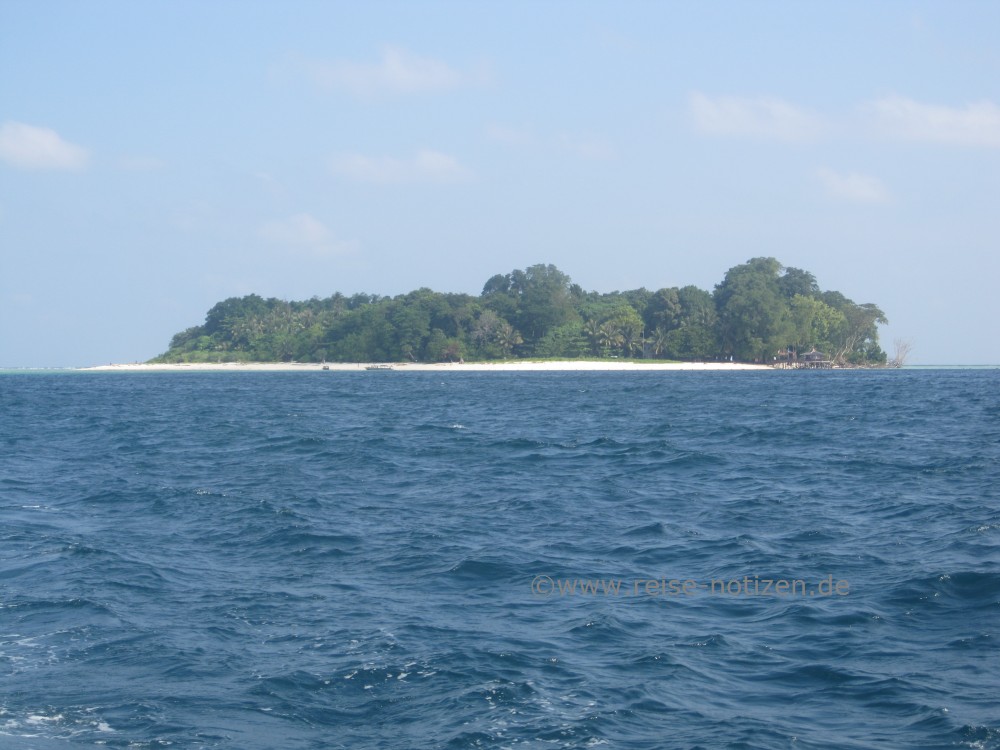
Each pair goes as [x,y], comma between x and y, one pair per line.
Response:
[158,157]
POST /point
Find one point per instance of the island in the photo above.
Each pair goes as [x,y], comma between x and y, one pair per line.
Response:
[761,314]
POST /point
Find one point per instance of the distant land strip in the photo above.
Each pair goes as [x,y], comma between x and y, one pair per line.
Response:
[516,366]
[760,313]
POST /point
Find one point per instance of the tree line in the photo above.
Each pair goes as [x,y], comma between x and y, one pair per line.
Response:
[758,310]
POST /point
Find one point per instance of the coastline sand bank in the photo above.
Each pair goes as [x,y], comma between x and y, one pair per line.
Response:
[581,365]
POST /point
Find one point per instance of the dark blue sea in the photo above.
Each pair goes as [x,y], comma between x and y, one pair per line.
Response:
[503,560]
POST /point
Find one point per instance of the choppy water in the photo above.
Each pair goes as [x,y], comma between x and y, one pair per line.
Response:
[374,560]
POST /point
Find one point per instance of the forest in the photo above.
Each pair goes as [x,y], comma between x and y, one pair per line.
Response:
[760,311]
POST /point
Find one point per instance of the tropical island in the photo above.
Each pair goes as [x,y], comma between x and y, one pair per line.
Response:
[761,312]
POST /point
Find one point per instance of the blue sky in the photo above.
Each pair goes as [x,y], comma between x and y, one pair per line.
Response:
[157,157]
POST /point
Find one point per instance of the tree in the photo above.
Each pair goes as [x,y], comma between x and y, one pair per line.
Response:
[507,338]
[697,336]
[411,326]
[492,336]
[796,281]
[185,337]
[534,300]
[565,341]
[815,325]
[860,342]
[663,310]
[609,337]
[628,324]
[659,341]
[592,330]
[754,318]
[901,351]
[437,347]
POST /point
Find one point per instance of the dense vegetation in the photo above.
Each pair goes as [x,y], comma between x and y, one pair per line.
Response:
[759,309]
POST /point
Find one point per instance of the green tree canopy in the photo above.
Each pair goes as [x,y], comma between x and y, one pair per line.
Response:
[757,309]
[754,319]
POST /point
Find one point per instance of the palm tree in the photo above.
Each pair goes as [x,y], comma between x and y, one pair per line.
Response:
[659,341]
[609,336]
[630,337]
[593,330]
[508,338]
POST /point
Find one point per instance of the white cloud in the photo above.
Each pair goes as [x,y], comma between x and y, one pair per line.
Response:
[762,117]
[396,72]
[858,188]
[977,124]
[305,234]
[423,167]
[32,147]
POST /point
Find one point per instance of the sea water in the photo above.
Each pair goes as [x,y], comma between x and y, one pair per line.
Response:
[500,560]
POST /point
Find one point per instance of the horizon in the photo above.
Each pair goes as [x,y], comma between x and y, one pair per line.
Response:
[157,159]
[212,367]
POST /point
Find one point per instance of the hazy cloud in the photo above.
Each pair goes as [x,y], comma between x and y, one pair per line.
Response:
[858,188]
[587,147]
[396,72]
[423,167]
[32,147]
[305,234]
[141,163]
[762,117]
[581,145]
[509,136]
[976,124]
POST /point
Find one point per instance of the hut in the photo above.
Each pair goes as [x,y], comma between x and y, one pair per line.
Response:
[816,360]
[784,358]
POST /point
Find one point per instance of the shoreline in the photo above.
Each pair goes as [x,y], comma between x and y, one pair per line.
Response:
[551,366]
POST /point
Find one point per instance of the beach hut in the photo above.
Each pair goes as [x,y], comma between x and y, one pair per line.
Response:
[816,359]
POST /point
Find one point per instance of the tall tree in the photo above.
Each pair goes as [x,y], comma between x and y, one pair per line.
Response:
[754,319]
[796,281]
[534,300]
[663,310]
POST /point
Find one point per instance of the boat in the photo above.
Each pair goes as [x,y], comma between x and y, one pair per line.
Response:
[379,367]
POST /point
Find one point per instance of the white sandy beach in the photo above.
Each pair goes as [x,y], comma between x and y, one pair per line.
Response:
[541,366]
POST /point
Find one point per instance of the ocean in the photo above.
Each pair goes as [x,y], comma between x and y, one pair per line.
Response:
[504,560]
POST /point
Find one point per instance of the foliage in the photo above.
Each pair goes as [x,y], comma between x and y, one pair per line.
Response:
[533,301]
[754,315]
[756,311]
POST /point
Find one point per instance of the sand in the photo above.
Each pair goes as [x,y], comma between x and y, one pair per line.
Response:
[518,366]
